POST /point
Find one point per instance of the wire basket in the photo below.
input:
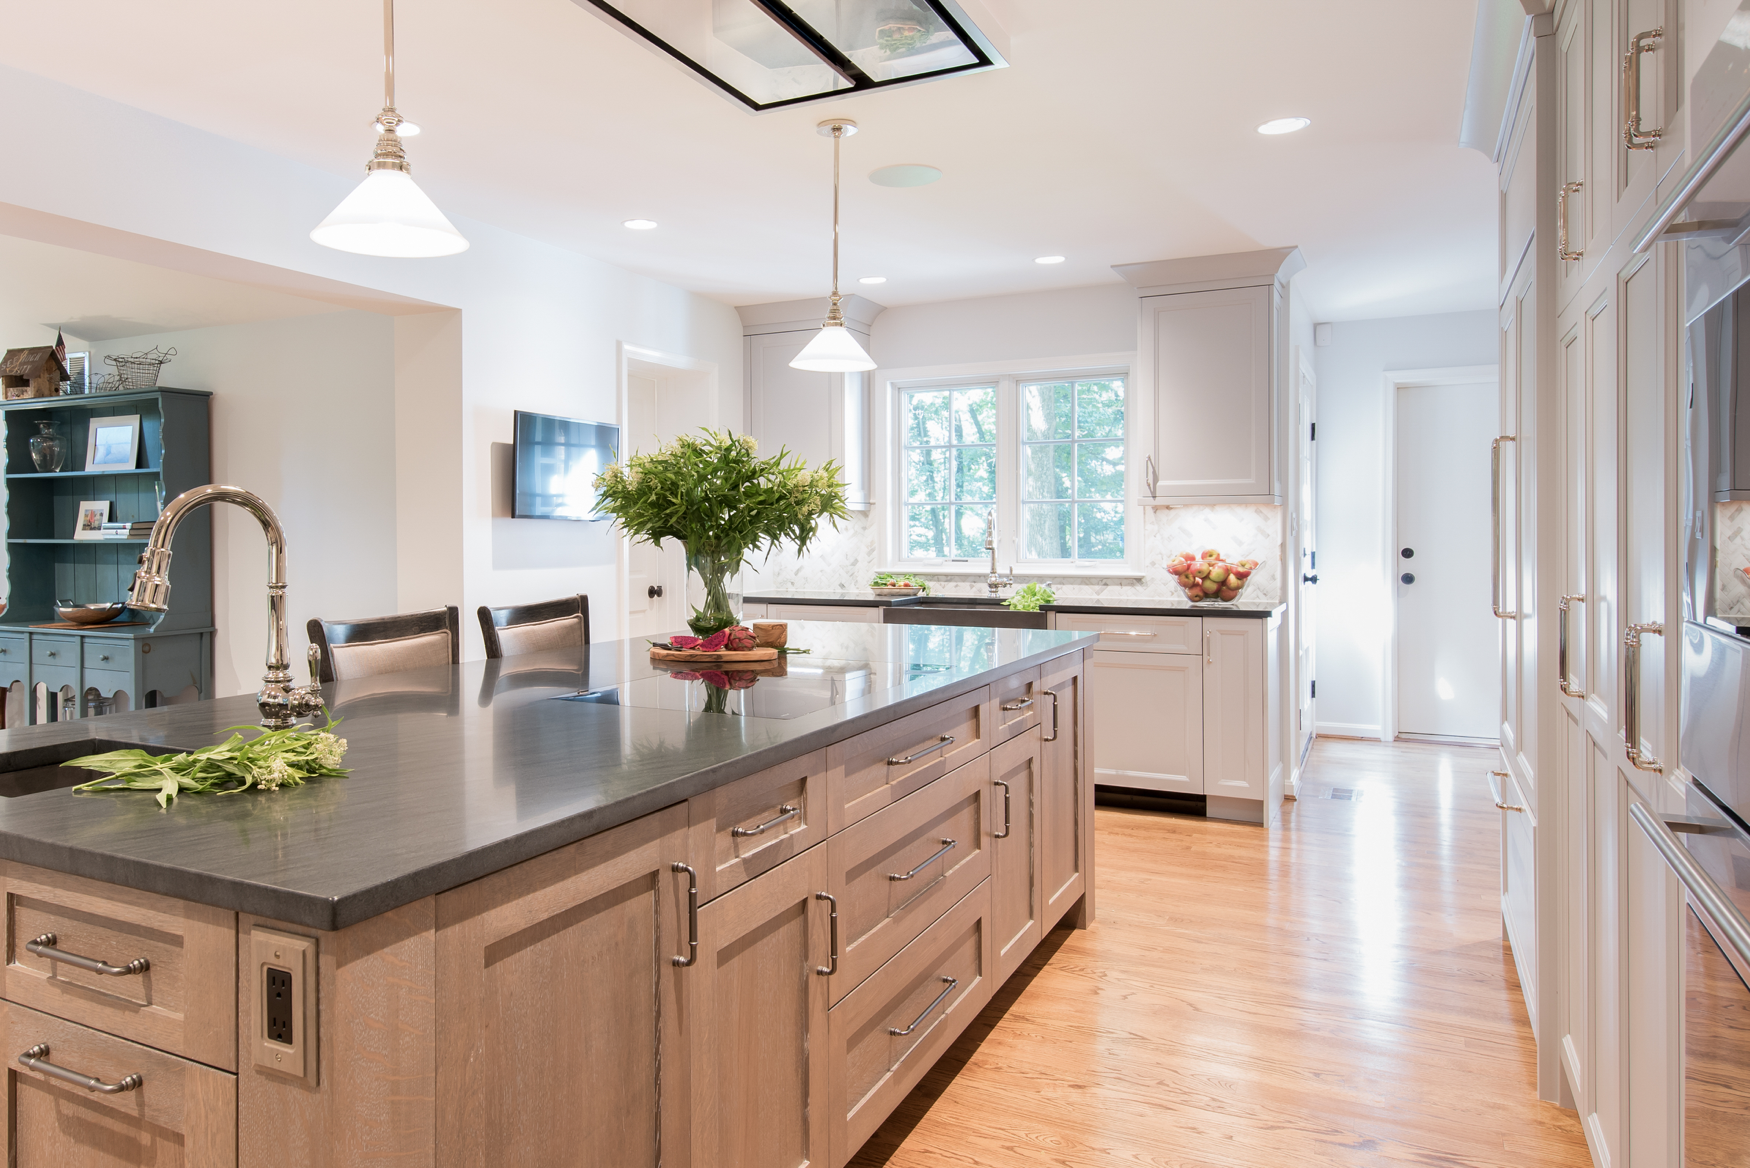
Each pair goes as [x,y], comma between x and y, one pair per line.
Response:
[137,370]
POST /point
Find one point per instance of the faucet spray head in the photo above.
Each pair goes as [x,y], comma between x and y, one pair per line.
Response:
[151,588]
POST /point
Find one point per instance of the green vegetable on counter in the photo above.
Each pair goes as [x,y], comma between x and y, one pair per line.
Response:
[899,580]
[269,761]
[1029,597]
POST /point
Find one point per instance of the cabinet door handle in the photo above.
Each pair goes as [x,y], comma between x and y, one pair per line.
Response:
[692,914]
[833,924]
[946,739]
[947,846]
[37,1059]
[1634,136]
[785,811]
[1208,648]
[1631,694]
[1150,477]
[44,946]
[1020,705]
[1562,251]
[1052,694]
[1004,833]
[918,1021]
[1495,519]
[1562,646]
[1495,778]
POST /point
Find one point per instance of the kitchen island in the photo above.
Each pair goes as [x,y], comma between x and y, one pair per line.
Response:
[558,913]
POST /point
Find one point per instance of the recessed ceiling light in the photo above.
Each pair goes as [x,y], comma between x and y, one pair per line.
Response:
[873,280]
[639,224]
[907,174]
[1284,125]
[1049,260]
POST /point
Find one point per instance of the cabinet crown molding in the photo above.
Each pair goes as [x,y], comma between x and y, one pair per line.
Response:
[1236,269]
[797,315]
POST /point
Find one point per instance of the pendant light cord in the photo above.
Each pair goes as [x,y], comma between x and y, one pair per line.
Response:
[388,54]
[838,133]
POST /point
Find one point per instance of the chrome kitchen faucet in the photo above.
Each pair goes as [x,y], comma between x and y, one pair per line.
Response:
[993,581]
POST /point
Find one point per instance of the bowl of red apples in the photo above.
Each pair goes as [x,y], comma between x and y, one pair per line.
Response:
[1208,578]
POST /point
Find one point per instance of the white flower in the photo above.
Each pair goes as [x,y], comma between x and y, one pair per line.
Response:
[749,441]
[270,777]
[329,749]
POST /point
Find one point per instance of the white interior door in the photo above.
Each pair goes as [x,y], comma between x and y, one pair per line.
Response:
[1307,720]
[1448,659]
[655,577]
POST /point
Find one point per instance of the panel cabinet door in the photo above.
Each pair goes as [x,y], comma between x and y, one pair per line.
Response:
[1147,725]
[1066,795]
[1235,709]
[758,1003]
[1014,849]
[562,1037]
[1215,404]
[1575,222]
[816,416]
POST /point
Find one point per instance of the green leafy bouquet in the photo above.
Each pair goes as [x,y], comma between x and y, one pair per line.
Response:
[269,761]
[1029,597]
[714,494]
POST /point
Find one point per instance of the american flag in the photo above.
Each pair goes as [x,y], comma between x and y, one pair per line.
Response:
[60,348]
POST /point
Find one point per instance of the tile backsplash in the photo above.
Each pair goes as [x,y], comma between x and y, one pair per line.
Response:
[1731,553]
[846,559]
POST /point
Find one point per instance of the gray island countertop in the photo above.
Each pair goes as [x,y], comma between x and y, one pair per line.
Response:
[462,771]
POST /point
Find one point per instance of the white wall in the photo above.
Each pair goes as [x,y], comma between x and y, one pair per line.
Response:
[1354,609]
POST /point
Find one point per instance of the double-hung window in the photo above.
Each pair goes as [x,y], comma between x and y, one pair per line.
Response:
[1044,456]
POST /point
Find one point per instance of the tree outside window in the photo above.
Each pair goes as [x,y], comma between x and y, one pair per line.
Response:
[950,470]
[1072,470]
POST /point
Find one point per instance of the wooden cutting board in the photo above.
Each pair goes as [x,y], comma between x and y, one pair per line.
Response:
[694,657]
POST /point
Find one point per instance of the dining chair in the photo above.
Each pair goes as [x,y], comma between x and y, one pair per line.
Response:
[351,649]
[530,628]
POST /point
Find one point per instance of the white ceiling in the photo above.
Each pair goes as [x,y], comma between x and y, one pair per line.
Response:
[1122,132]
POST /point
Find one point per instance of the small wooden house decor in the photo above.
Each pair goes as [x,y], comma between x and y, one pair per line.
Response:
[33,372]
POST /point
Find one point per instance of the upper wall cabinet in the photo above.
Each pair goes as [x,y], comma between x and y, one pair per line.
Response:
[1210,348]
[816,416]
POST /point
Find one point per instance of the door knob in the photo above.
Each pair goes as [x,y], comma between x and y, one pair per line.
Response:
[653,591]
[1408,553]
[1408,577]
[1312,579]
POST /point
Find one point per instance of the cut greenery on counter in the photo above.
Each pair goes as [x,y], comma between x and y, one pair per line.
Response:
[1028,598]
[269,761]
[899,580]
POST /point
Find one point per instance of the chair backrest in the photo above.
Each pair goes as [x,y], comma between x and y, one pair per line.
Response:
[368,646]
[530,628]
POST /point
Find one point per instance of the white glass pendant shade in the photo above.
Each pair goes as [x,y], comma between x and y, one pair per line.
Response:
[833,350]
[388,215]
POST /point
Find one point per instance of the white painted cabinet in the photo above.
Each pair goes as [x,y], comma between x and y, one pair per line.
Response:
[1242,755]
[1146,715]
[843,613]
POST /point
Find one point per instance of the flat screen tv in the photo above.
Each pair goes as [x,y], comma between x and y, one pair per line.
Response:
[557,460]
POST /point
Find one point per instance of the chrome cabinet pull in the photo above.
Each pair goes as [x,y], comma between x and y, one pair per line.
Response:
[1004,833]
[1020,705]
[1719,906]
[1208,647]
[1562,251]
[692,914]
[1495,517]
[785,811]
[947,846]
[946,739]
[37,1059]
[1495,778]
[1631,695]
[44,946]
[1052,694]
[918,1021]
[833,923]
[1562,646]
[1634,136]
[1126,633]
[1149,475]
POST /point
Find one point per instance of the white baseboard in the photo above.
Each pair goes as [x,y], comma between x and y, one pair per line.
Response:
[1348,730]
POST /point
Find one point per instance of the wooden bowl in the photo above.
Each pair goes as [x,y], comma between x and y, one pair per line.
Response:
[90,614]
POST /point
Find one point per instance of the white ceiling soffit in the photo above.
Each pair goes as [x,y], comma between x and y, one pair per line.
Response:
[1494,49]
[1122,131]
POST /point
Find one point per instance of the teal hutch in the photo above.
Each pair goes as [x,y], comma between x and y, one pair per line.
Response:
[44,563]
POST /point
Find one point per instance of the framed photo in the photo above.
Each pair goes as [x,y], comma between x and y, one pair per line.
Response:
[93,514]
[114,443]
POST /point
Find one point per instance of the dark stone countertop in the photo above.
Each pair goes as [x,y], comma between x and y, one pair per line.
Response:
[461,771]
[1173,606]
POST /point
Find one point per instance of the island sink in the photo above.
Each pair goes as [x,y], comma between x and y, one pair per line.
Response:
[40,768]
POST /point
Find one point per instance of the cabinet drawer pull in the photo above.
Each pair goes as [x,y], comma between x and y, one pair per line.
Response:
[37,1059]
[103,656]
[1563,252]
[44,946]
[1127,633]
[1020,705]
[918,1021]
[785,811]
[1562,647]
[1052,694]
[1497,796]
[947,846]
[52,654]
[833,923]
[692,914]
[1004,833]
[946,739]
[1633,135]
[1631,695]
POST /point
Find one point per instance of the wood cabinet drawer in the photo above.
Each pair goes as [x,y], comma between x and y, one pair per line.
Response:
[895,872]
[883,765]
[754,824]
[54,651]
[1141,634]
[181,1112]
[845,614]
[183,1001]
[115,655]
[893,1028]
[1014,705]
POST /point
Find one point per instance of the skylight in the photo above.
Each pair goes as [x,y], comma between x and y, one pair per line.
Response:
[770,53]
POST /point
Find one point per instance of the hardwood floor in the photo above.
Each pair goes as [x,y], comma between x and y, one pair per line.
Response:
[1332,992]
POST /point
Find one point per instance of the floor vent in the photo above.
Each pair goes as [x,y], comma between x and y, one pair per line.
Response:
[1350,794]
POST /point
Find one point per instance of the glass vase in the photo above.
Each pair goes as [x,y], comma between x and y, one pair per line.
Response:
[714,591]
[48,449]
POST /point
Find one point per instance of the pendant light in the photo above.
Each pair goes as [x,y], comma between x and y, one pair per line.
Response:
[834,349]
[387,214]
